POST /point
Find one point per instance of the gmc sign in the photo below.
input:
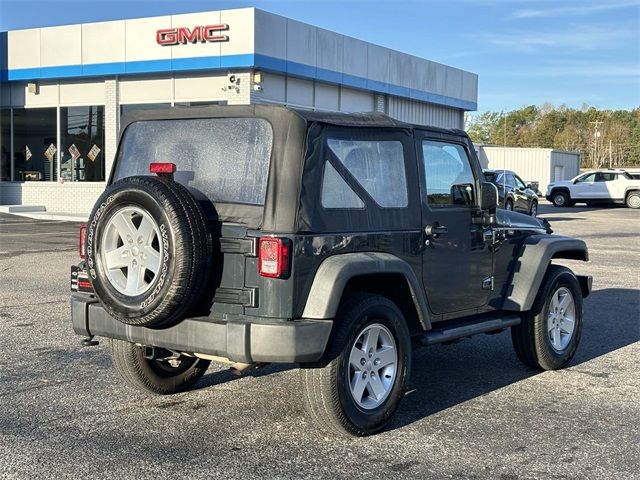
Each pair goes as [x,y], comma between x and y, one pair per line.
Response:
[183,35]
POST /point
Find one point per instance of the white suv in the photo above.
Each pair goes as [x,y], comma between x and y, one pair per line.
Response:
[596,187]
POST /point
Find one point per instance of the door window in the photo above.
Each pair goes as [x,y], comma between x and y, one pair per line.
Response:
[519,182]
[511,180]
[449,179]
[605,177]
[591,177]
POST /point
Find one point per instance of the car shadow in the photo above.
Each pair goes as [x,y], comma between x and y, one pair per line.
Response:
[444,376]
[550,209]
[552,220]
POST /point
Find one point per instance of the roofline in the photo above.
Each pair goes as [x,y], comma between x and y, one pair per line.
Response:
[541,149]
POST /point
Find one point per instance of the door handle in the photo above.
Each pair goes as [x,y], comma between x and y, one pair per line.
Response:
[435,230]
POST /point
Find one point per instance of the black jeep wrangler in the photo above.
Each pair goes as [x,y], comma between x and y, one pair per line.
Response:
[261,234]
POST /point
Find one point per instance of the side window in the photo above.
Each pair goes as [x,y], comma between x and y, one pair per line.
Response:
[336,193]
[511,180]
[588,178]
[377,165]
[519,182]
[606,177]
[449,179]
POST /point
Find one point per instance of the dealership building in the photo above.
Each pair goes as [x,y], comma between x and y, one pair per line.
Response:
[63,89]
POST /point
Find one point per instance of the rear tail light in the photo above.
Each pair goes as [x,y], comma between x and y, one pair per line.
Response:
[81,242]
[162,168]
[273,257]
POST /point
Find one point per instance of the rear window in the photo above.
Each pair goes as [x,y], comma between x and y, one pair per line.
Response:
[227,159]
[491,176]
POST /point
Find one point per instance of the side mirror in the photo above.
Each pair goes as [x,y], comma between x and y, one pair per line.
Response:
[488,196]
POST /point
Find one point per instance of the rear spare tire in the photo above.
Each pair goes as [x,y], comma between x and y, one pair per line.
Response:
[148,251]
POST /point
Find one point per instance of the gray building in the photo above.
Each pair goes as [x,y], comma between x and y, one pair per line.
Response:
[542,165]
[64,88]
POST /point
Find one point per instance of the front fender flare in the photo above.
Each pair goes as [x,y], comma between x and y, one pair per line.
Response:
[531,261]
[334,273]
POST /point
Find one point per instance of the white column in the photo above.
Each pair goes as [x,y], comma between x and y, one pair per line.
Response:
[240,92]
[380,103]
[111,122]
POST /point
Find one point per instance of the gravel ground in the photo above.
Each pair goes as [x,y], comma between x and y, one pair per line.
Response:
[473,411]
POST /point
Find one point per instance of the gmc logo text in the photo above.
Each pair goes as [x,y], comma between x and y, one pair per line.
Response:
[183,35]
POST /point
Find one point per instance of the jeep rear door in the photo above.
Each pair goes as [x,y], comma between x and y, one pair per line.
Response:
[457,264]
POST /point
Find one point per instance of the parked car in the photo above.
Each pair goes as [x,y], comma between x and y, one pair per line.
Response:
[261,234]
[598,187]
[513,192]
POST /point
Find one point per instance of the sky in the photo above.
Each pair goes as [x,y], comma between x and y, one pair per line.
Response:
[571,52]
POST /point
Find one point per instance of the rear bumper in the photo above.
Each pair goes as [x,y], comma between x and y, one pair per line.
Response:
[239,338]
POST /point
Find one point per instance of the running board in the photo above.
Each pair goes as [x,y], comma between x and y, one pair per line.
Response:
[456,332]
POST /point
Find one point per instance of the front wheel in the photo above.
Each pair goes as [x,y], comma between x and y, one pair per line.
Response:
[363,379]
[561,199]
[162,377]
[548,336]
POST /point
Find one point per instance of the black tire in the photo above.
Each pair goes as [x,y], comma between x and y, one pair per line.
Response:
[186,241]
[155,376]
[531,338]
[633,200]
[561,199]
[533,210]
[328,398]
[509,205]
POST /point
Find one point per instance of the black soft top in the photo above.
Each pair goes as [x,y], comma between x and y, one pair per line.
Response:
[293,130]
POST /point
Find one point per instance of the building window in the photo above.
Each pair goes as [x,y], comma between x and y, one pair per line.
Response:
[5,144]
[34,132]
[134,107]
[82,144]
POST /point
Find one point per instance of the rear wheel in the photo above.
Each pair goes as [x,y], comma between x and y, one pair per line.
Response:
[633,200]
[533,211]
[162,377]
[549,334]
[363,379]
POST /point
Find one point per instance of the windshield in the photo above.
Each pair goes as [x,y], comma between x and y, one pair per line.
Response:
[225,159]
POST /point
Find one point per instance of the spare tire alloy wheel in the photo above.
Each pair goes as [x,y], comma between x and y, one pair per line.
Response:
[148,251]
[132,251]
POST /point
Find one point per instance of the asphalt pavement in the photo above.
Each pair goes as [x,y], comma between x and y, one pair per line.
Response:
[472,411]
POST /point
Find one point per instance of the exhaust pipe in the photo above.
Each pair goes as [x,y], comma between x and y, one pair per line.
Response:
[237,368]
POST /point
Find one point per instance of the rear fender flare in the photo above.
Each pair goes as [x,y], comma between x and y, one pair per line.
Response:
[334,273]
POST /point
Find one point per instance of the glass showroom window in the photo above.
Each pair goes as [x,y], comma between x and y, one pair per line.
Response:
[82,144]
[5,144]
[34,140]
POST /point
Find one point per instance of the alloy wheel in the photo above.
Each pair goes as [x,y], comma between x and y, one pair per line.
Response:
[131,250]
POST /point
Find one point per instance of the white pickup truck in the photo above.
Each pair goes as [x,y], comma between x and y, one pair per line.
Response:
[597,187]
